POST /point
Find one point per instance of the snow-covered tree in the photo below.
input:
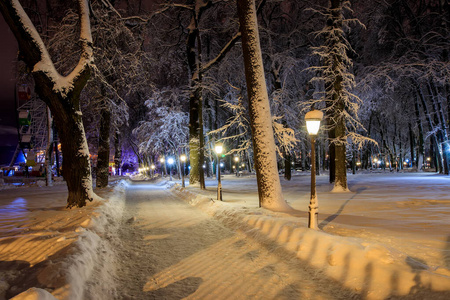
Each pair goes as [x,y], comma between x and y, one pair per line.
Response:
[269,187]
[165,129]
[120,71]
[340,104]
[61,92]
[406,53]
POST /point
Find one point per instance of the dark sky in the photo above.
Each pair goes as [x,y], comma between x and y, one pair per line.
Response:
[8,129]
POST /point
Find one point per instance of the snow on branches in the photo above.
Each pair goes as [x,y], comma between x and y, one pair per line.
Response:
[166,127]
[334,74]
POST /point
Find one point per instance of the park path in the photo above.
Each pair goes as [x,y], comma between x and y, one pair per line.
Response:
[171,250]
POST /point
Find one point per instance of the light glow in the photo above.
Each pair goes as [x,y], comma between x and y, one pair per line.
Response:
[218,148]
[313,119]
[313,127]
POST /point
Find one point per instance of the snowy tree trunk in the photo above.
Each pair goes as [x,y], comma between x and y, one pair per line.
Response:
[61,94]
[340,158]
[196,143]
[103,148]
[335,93]
[269,187]
[331,152]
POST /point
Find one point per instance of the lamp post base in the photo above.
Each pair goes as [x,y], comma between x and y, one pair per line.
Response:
[313,217]
[219,192]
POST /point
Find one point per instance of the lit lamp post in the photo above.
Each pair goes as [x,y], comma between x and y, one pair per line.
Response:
[161,160]
[170,162]
[313,119]
[153,169]
[219,149]
[183,160]
[236,159]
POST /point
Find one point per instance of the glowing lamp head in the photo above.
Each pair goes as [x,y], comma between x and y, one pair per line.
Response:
[183,157]
[218,148]
[170,161]
[313,119]
[152,167]
[236,158]
[161,159]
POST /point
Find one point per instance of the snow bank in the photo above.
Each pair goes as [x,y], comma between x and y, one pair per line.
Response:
[94,258]
[73,248]
[34,294]
[371,269]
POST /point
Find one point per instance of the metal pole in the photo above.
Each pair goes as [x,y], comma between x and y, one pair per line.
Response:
[313,203]
[219,184]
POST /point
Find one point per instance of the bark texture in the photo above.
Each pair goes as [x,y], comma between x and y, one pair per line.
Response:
[269,187]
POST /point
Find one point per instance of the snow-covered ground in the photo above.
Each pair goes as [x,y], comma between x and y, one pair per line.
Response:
[389,236]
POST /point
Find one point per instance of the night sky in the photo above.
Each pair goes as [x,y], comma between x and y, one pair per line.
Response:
[8,128]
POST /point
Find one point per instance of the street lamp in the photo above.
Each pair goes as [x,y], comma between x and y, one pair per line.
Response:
[236,159]
[170,162]
[183,160]
[153,169]
[218,148]
[313,119]
[163,166]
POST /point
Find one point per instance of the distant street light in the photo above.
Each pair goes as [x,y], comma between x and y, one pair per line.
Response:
[236,159]
[153,169]
[161,160]
[313,119]
[183,160]
[170,162]
[219,149]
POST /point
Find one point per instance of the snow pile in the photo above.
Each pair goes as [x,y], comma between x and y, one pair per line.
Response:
[58,250]
[95,260]
[34,294]
[369,268]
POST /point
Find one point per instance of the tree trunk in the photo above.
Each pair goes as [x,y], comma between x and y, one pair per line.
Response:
[269,187]
[196,151]
[49,150]
[287,166]
[420,150]
[331,153]
[340,158]
[354,153]
[317,158]
[117,153]
[61,96]
[443,131]
[433,138]
[103,148]
[76,168]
